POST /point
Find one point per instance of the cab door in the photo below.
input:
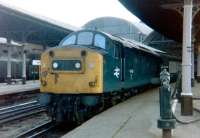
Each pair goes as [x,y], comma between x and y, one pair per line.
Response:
[119,49]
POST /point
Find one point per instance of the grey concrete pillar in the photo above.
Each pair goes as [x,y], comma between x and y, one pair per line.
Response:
[198,63]
[9,53]
[24,67]
[186,95]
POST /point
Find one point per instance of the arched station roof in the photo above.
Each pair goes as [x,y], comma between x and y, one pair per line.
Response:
[164,16]
[158,41]
[22,26]
[117,26]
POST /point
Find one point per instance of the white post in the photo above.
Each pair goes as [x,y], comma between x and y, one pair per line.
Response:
[24,66]
[193,77]
[198,63]
[187,106]
[9,64]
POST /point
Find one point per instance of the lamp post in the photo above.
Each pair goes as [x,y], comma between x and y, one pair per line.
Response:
[166,122]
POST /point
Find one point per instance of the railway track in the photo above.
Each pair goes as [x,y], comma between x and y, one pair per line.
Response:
[12,98]
[20,111]
[37,131]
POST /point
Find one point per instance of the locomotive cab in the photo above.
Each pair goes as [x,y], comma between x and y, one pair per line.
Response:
[75,66]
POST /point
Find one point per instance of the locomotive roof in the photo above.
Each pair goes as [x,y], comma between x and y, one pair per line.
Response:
[133,44]
[126,42]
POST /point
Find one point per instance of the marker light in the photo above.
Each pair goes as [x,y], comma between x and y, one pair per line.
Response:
[77,65]
[55,65]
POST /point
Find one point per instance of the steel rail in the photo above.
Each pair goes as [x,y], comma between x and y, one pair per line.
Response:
[19,111]
[18,106]
[37,130]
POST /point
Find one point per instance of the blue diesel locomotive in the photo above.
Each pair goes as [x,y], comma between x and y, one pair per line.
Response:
[91,69]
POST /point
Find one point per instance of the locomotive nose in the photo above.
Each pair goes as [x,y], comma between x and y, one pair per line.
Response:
[72,70]
[72,61]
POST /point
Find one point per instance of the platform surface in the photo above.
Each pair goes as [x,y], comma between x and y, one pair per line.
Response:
[15,88]
[135,118]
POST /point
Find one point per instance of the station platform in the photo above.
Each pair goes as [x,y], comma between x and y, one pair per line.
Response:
[136,118]
[16,88]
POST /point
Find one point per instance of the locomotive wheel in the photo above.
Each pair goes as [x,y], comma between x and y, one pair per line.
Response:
[114,101]
[78,115]
[102,107]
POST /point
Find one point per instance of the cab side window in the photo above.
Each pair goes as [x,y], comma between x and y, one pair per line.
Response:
[100,41]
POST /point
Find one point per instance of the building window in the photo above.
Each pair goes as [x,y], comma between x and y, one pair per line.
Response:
[100,41]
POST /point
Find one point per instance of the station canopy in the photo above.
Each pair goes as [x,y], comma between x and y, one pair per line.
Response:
[164,16]
[22,26]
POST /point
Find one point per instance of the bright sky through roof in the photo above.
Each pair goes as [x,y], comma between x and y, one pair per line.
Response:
[76,12]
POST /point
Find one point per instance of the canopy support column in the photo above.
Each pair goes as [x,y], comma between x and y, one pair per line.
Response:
[9,63]
[186,95]
[24,66]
